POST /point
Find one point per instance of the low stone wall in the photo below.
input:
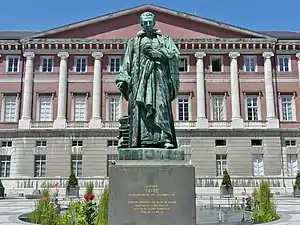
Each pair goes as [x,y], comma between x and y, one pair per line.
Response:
[204,185]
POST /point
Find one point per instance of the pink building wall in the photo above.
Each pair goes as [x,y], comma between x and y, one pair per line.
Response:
[127,26]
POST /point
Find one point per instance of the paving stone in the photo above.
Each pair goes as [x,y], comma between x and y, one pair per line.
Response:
[10,208]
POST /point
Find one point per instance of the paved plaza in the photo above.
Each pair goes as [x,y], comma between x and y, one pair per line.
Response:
[288,206]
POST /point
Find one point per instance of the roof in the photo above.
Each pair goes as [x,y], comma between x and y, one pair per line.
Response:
[283,34]
[149,7]
[15,35]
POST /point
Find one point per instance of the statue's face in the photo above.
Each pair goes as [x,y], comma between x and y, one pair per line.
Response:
[148,23]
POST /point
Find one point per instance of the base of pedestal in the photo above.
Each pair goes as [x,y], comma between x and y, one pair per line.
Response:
[59,123]
[237,123]
[272,123]
[150,154]
[95,123]
[24,124]
[202,123]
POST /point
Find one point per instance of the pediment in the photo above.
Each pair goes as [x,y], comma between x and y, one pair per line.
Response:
[125,24]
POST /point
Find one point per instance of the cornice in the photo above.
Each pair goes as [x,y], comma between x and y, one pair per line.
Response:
[124,40]
[117,46]
[108,133]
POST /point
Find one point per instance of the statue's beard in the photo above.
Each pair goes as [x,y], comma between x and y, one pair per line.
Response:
[149,31]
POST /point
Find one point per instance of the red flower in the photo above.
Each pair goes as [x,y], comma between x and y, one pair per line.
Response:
[92,196]
[89,197]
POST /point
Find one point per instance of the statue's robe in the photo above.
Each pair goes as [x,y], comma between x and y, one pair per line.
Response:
[150,85]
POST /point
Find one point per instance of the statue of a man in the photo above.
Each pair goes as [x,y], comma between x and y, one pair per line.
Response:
[149,81]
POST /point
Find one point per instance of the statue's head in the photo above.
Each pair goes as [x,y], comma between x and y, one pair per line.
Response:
[147,20]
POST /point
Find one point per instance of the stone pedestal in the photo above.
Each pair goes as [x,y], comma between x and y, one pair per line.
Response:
[152,193]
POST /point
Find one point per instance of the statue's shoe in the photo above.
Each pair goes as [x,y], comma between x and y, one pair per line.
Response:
[169,145]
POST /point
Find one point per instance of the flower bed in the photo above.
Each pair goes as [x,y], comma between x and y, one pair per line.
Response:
[86,212]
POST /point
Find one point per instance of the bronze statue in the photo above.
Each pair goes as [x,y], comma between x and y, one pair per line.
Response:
[149,81]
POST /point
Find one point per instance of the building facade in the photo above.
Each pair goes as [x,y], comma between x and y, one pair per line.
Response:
[238,107]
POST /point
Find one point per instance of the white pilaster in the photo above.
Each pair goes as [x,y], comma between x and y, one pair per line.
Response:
[24,122]
[202,121]
[237,121]
[60,122]
[121,107]
[272,121]
[95,122]
[298,63]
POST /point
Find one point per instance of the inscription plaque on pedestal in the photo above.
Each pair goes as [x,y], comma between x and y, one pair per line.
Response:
[152,195]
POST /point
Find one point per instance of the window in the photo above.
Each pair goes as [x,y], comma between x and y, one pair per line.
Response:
[12,64]
[284,64]
[221,164]
[183,108]
[40,165]
[183,64]
[290,143]
[292,164]
[44,108]
[111,143]
[218,109]
[5,165]
[250,64]
[258,164]
[79,108]
[81,64]
[256,142]
[77,143]
[6,144]
[114,108]
[10,108]
[216,63]
[110,158]
[46,64]
[114,64]
[287,108]
[220,142]
[76,165]
[41,143]
[252,108]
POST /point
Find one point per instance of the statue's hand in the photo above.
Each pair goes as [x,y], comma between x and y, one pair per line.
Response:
[154,53]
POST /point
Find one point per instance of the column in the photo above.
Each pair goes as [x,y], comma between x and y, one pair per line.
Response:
[60,122]
[95,122]
[298,63]
[24,122]
[272,121]
[236,119]
[202,121]
[121,107]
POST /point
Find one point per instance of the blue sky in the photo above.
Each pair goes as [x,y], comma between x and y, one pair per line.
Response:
[252,14]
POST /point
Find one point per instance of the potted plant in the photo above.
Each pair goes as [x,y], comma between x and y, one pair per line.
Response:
[2,190]
[72,186]
[226,187]
[297,185]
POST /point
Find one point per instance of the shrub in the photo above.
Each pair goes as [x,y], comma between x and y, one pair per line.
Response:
[45,212]
[102,215]
[226,181]
[65,219]
[72,181]
[89,188]
[297,182]
[264,207]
